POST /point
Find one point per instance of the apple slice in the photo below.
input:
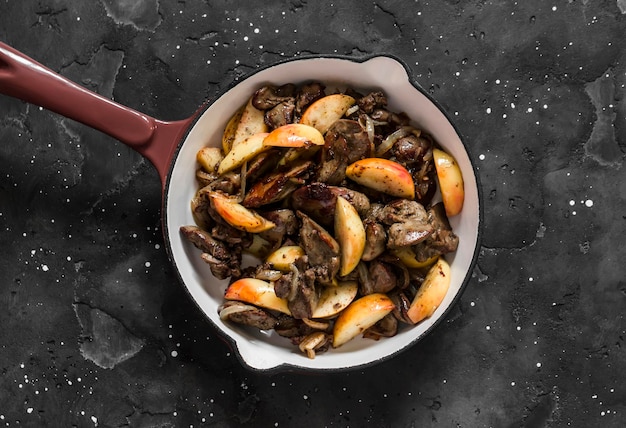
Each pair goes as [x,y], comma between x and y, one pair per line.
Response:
[360,315]
[322,113]
[431,292]
[450,182]
[350,234]
[383,175]
[237,215]
[294,135]
[230,129]
[243,152]
[256,292]
[252,121]
[334,299]
[209,158]
[283,257]
[407,257]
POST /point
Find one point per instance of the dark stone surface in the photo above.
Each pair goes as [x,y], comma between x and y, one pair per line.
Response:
[97,331]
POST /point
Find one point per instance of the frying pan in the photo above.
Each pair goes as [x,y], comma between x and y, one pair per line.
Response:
[171,147]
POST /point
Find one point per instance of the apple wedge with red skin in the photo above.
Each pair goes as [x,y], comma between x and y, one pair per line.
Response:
[383,175]
[431,293]
[256,292]
[360,315]
[322,113]
[294,135]
[350,234]
[239,216]
[450,182]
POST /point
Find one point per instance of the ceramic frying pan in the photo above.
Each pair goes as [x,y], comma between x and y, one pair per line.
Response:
[171,147]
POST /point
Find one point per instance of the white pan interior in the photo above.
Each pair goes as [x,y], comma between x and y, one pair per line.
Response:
[261,350]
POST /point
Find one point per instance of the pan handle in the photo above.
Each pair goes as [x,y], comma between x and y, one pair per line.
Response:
[24,78]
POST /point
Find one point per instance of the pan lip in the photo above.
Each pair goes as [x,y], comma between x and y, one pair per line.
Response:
[294,368]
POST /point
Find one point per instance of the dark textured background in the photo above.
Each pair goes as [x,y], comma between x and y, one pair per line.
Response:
[95,329]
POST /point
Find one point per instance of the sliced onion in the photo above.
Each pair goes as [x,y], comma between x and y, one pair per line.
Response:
[269,275]
[235,309]
[311,343]
[392,139]
[367,123]
[317,325]
[293,290]
[352,110]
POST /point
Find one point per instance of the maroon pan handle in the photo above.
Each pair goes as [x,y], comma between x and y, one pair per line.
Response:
[24,78]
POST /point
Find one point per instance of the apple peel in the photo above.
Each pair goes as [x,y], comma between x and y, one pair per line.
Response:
[383,175]
[256,292]
[239,216]
[360,315]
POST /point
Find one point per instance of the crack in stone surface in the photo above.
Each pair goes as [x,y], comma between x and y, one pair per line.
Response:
[100,73]
[50,18]
[141,14]
[116,188]
[105,340]
[539,234]
[602,145]
[542,413]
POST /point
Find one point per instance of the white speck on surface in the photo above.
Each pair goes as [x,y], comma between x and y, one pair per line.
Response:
[589,203]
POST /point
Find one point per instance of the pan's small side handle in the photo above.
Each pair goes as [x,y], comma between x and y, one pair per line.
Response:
[24,78]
